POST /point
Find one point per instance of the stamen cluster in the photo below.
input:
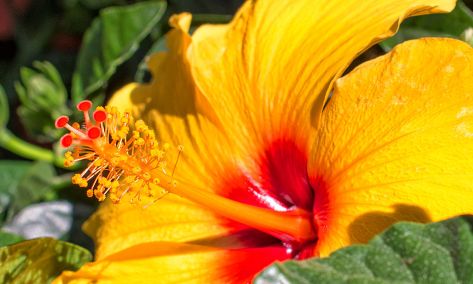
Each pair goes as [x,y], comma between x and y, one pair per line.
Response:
[123,155]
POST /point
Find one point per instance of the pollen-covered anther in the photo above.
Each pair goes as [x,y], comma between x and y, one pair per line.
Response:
[123,156]
[79,180]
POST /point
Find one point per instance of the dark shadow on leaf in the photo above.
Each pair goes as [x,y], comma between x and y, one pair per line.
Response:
[365,227]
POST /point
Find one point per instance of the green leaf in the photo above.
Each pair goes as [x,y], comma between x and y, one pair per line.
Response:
[4,109]
[43,97]
[10,175]
[40,260]
[440,25]
[406,253]
[111,40]
[7,238]
[35,184]
[23,183]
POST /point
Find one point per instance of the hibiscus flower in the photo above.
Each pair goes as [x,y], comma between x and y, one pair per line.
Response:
[273,169]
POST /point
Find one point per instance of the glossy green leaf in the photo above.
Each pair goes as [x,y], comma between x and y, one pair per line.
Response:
[10,175]
[23,183]
[43,97]
[7,238]
[39,260]
[111,40]
[35,184]
[445,25]
[406,253]
[4,109]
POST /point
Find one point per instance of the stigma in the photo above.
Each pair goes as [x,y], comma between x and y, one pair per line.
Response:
[123,155]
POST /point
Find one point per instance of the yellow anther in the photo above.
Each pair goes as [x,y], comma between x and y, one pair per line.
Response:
[136,134]
[139,142]
[149,134]
[99,195]
[136,170]
[115,184]
[124,120]
[69,161]
[156,181]
[76,179]
[140,126]
[122,134]
[146,176]
[156,153]
[83,183]
[125,128]
[90,193]
[103,181]
[115,161]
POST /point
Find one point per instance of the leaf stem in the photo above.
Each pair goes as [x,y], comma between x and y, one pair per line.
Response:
[27,150]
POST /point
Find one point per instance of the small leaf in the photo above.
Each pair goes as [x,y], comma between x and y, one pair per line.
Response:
[10,174]
[406,253]
[7,238]
[23,183]
[35,184]
[4,109]
[40,260]
[452,24]
[111,40]
[43,97]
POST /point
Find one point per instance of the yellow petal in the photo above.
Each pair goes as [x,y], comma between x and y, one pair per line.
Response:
[115,227]
[169,105]
[271,67]
[162,262]
[173,106]
[396,143]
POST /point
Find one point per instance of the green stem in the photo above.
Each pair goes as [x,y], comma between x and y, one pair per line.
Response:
[27,150]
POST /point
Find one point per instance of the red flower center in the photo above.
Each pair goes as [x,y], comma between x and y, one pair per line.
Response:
[283,186]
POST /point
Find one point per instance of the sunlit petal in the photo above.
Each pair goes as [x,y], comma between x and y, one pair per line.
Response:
[396,143]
